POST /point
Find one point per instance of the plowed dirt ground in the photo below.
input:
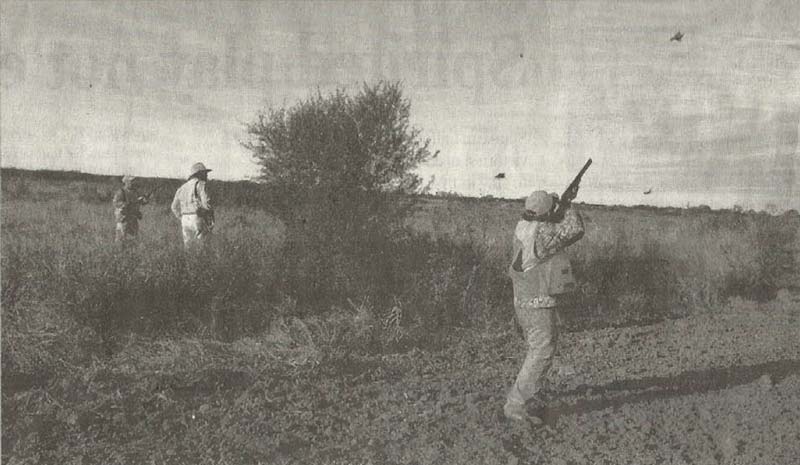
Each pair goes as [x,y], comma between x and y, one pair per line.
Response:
[713,389]
[722,388]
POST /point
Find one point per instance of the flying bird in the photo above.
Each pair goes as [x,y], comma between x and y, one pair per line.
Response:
[500,176]
[648,191]
[678,36]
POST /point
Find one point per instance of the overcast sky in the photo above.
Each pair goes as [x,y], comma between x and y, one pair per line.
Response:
[527,89]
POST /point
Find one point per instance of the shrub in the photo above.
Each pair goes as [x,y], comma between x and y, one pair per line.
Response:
[333,161]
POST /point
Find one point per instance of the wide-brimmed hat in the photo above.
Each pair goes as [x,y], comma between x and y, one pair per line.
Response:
[539,203]
[128,178]
[198,168]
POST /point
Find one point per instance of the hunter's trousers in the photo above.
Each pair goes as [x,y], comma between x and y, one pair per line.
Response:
[541,334]
[196,230]
[126,230]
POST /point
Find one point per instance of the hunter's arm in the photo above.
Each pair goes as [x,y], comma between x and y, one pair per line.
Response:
[176,205]
[205,200]
[205,197]
[554,237]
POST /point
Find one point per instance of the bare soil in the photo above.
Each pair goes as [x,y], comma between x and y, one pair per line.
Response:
[721,388]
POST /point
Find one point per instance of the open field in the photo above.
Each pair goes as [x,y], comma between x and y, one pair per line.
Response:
[682,345]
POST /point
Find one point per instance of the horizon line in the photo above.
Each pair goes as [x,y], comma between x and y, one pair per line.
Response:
[443,195]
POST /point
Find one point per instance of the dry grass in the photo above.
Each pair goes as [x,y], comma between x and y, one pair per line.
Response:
[639,264]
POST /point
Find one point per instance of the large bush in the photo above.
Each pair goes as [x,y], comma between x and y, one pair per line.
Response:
[337,163]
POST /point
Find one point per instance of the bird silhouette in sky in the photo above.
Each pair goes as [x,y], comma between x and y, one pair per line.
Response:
[648,191]
[500,176]
[678,36]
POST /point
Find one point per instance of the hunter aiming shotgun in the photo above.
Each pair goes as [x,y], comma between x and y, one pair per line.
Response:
[541,275]
[570,192]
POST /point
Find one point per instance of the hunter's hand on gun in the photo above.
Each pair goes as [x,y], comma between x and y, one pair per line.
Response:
[145,199]
[570,193]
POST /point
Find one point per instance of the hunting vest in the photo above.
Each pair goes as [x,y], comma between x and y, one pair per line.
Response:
[550,276]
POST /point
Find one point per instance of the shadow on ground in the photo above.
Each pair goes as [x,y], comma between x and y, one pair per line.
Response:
[630,391]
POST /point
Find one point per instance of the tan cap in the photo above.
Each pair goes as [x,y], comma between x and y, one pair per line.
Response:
[198,168]
[540,203]
[128,178]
